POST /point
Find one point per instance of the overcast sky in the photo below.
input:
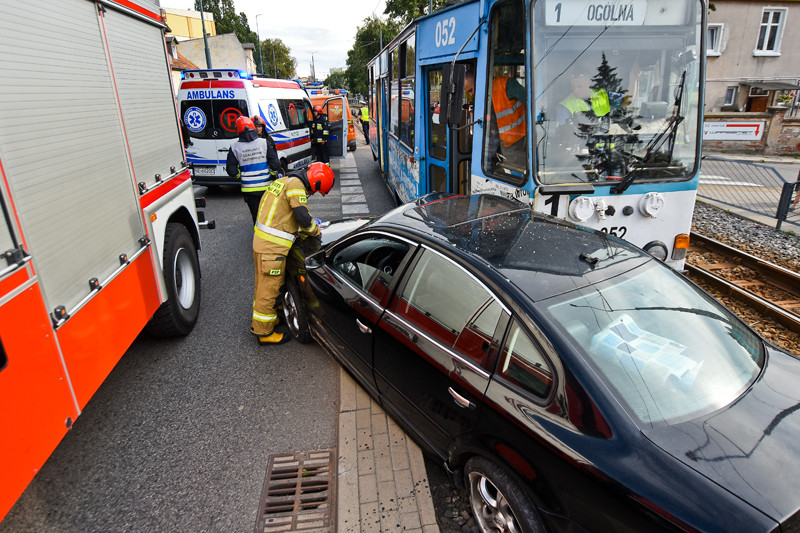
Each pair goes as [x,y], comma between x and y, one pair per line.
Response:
[324,28]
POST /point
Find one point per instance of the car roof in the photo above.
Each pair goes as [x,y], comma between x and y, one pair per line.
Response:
[541,255]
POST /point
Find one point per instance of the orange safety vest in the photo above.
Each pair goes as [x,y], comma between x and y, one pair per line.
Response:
[510,113]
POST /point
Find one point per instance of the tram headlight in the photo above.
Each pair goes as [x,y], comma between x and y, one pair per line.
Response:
[657,249]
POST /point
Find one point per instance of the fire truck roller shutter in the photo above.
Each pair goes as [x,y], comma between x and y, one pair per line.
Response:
[148,105]
[74,193]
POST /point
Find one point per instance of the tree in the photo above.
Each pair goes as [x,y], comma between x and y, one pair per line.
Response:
[404,11]
[337,80]
[277,59]
[227,20]
[369,38]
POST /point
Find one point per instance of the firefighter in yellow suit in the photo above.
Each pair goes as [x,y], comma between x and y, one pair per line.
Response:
[282,216]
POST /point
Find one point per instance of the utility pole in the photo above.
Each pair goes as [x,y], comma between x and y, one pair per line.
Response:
[260,50]
[205,38]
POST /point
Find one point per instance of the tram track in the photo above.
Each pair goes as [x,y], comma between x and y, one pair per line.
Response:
[769,289]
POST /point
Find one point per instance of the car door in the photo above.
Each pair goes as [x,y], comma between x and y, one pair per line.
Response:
[351,290]
[337,122]
[433,346]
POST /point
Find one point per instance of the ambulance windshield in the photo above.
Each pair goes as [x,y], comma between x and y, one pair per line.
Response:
[616,90]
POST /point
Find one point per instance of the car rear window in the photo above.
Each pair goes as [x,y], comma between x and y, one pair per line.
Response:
[212,119]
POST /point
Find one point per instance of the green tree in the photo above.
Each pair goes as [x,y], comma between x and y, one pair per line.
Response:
[404,11]
[277,59]
[337,80]
[227,20]
[369,37]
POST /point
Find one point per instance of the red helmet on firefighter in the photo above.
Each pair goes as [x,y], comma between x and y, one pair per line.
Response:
[318,109]
[257,120]
[320,178]
[243,123]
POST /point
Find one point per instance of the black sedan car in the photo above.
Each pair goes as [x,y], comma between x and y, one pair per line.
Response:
[570,380]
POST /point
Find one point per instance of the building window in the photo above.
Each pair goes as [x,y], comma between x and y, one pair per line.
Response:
[714,41]
[770,32]
[730,96]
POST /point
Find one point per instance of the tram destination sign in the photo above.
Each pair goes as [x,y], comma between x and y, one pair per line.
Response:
[596,13]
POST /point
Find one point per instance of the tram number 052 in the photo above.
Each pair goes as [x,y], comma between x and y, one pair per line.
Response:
[616,231]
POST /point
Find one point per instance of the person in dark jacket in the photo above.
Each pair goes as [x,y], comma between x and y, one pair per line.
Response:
[320,130]
[254,161]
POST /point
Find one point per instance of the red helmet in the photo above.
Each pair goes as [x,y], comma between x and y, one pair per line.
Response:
[243,123]
[318,109]
[320,178]
[258,120]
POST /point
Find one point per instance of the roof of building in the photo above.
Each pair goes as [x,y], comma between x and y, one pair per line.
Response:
[181,63]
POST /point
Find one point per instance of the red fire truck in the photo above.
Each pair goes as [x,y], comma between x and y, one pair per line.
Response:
[99,231]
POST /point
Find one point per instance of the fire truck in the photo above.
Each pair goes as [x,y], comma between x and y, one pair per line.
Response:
[99,232]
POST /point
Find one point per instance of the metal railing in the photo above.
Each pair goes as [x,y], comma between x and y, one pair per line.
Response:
[752,187]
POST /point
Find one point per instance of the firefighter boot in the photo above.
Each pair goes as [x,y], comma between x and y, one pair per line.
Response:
[274,338]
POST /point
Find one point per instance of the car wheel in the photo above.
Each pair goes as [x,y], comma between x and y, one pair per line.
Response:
[295,313]
[178,315]
[497,501]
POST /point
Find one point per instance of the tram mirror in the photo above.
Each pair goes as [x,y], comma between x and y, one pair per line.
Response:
[451,97]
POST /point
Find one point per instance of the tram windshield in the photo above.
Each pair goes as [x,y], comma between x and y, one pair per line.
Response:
[616,90]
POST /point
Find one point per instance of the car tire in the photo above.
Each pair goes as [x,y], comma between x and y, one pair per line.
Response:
[295,313]
[178,315]
[497,500]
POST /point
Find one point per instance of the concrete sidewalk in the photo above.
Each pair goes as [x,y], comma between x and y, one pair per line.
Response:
[382,483]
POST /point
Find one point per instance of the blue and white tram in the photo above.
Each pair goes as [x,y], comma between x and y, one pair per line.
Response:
[589,111]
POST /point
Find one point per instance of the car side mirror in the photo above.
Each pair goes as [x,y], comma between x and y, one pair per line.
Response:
[315,260]
[451,97]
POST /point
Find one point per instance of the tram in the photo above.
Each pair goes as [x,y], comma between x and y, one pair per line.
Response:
[588,111]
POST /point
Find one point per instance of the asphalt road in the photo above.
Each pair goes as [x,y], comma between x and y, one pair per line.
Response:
[178,437]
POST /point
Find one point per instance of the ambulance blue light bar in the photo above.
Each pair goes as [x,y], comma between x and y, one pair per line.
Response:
[203,74]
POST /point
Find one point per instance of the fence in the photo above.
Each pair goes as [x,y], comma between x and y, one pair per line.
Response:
[751,187]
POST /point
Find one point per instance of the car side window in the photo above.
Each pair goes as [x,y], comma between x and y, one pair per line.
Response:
[370,263]
[523,364]
[444,300]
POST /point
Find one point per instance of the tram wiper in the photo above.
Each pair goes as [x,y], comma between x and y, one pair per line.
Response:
[670,129]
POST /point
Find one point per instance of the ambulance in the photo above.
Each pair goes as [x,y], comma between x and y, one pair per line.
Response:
[99,233]
[211,100]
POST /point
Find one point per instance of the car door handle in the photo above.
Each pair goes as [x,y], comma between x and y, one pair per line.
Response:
[460,400]
[222,150]
[362,328]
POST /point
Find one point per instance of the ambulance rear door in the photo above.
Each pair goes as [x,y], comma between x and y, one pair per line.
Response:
[337,121]
[209,109]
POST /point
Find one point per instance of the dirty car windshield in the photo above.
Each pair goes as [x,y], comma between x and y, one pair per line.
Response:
[616,88]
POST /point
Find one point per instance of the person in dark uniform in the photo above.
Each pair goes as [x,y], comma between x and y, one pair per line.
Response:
[320,133]
[254,162]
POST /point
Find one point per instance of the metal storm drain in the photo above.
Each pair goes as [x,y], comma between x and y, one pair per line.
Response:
[299,493]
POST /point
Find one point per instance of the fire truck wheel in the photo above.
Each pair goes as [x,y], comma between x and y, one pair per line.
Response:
[295,313]
[178,315]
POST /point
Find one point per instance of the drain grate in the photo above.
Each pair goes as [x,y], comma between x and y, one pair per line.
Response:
[299,493]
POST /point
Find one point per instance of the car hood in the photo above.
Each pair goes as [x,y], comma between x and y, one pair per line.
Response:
[339,228]
[751,447]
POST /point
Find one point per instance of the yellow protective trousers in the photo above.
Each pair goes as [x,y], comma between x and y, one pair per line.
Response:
[270,272]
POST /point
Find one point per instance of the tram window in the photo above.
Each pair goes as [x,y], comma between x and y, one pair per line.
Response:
[505,137]
[407,94]
[437,139]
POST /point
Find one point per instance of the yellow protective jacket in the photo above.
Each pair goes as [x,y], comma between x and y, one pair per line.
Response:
[276,224]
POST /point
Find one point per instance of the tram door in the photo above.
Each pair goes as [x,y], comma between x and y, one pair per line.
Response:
[449,148]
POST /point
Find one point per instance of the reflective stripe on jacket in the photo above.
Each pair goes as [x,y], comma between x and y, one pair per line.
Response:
[252,158]
[510,113]
[275,223]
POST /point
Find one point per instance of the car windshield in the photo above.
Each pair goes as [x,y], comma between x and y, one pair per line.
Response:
[616,89]
[668,350]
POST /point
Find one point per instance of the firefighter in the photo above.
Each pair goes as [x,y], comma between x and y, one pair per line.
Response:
[365,120]
[321,131]
[254,161]
[282,216]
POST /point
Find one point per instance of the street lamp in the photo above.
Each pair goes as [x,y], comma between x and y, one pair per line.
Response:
[260,50]
[205,38]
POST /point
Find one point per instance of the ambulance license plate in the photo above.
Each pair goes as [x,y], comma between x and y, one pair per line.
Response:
[204,171]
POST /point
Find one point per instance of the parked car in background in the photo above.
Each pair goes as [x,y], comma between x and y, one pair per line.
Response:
[570,380]
[340,117]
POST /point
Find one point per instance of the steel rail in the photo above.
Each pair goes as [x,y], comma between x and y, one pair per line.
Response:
[770,271]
